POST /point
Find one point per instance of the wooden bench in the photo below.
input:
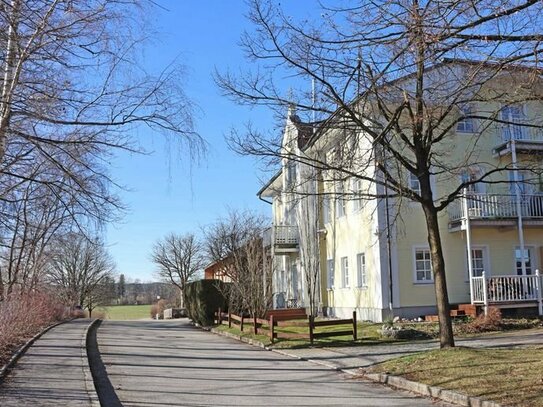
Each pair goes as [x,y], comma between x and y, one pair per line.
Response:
[285,314]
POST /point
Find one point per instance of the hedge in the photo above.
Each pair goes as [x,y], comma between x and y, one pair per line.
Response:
[203,298]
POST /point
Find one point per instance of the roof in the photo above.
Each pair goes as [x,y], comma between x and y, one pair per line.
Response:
[269,183]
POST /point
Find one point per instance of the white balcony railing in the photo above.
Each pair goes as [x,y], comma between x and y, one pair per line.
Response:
[507,289]
[285,235]
[521,133]
[496,206]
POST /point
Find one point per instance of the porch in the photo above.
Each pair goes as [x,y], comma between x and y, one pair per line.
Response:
[507,291]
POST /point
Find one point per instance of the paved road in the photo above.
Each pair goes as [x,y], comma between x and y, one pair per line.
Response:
[170,363]
[51,372]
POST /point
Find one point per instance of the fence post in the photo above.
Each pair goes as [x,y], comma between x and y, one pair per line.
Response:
[229,319]
[485,292]
[354,326]
[254,325]
[272,334]
[241,322]
[539,282]
[311,329]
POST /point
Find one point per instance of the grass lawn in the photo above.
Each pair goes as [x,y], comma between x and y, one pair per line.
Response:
[368,334]
[126,311]
[509,376]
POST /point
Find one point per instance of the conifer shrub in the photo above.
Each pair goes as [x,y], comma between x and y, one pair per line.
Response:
[203,298]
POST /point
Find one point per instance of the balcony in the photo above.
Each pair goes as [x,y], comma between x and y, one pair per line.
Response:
[528,140]
[496,210]
[283,237]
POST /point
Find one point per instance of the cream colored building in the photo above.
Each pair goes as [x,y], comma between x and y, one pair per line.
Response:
[374,254]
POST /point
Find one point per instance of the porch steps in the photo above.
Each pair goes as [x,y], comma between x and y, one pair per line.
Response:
[457,310]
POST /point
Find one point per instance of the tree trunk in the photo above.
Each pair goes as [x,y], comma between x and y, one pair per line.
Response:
[446,337]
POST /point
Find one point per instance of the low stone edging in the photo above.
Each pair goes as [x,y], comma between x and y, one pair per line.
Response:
[87,375]
[422,389]
[21,351]
[449,396]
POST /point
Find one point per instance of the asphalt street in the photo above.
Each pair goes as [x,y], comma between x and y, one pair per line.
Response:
[51,372]
[171,363]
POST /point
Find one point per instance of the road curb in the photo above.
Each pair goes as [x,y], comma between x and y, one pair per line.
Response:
[440,393]
[422,389]
[21,351]
[87,375]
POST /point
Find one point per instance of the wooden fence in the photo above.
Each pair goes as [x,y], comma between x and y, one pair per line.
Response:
[260,326]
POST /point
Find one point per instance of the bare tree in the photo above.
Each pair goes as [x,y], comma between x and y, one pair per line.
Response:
[179,259]
[235,243]
[79,269]
[393,80]
[72,89]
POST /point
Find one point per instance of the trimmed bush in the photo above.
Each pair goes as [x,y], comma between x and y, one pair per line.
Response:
[203,298]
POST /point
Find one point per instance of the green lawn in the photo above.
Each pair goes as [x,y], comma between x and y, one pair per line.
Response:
[510,376]
[120,312]
[368,334]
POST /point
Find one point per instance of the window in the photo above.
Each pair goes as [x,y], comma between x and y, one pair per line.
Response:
[423,266]
[357,190]
[466,124]
[414,183]
[478,261]
[344,272]
[330,272]
[294,280]
[291,174]
[326,209]
[512,114]
[340,200]
[525,187]
[361,269]
[527,260]
[472,174]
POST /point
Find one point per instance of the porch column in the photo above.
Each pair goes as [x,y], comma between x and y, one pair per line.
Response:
[538,283]
[468,241]
[518,205]
[485,293]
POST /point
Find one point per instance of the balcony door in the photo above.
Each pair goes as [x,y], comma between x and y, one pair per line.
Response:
[528,258]
[511,131]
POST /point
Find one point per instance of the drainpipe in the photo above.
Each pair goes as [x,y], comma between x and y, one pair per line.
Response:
[518,205]
[465,209]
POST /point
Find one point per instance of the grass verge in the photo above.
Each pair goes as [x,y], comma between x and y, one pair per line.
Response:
[124,312]
[509,376]
[368,334]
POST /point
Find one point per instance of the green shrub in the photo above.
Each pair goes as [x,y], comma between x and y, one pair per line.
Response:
[203,298]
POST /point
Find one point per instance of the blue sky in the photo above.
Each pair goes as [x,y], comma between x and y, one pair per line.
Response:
[167,194]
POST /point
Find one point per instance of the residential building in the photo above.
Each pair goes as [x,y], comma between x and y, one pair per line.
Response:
[374,253]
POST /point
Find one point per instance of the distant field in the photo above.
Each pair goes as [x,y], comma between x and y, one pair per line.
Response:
[127,311]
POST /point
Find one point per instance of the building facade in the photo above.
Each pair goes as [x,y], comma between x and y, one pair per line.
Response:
[374,255]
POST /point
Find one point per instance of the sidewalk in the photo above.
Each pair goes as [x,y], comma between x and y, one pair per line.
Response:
[351,358]
[53,371]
